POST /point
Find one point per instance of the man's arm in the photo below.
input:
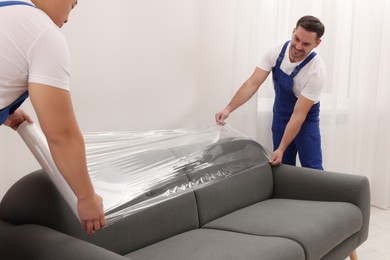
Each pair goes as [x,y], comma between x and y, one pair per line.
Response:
[301,109]
[244,93]
[58,122]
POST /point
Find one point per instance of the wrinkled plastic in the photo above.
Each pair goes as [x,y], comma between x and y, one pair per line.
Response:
[135,170]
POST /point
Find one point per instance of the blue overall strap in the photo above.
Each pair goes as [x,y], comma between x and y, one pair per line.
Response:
[303,63]
[281,54]
[8,3]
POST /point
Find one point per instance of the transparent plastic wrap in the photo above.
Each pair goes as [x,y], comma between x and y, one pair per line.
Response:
[135,170]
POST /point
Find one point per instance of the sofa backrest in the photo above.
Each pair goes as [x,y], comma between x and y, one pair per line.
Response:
[35,200]
[249,178]
[249,187]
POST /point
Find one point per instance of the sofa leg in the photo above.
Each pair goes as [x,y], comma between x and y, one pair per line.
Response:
[353,255]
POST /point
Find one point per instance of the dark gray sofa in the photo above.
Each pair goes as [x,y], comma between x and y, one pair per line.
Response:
[261,212]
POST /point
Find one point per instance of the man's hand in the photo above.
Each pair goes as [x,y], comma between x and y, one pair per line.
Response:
[221,116]
[91,213]
[298,117]
[18,117]
[276,158]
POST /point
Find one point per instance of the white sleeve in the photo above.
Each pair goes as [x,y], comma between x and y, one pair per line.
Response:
[49,60]
[315,83]
[268,61]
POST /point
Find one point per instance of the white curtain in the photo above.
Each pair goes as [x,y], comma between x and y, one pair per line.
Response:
[355,104]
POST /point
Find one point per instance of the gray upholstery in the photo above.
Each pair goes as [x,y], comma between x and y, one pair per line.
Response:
[251,178]
[343,249]
[317,226]
[220,245]
[150,225]
[37,242]
[34,200]
[308,184]
[250,186]
[258,212]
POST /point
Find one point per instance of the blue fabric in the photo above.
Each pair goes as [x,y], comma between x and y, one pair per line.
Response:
[8,3]
[9,110]
[308,141]
[5,112]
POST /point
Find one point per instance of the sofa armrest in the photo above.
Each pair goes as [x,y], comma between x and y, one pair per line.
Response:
[308,184]
[39,242]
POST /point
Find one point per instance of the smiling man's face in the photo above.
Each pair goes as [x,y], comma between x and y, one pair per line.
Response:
[302,43]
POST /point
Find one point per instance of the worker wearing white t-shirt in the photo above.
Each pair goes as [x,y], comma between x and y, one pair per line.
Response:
[298,76]
[35,62]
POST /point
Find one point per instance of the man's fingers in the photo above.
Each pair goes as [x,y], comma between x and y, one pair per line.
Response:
[102,221]
[28,118]
[89,227]
[220,118]
[96,225]
[93,225]
[91,213]
[84,225]
[217,117]
[275,162]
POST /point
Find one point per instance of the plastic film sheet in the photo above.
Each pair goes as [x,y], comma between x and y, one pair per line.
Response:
[135,170]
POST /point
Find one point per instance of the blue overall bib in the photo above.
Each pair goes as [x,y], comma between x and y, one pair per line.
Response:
[10,109]
[308,141]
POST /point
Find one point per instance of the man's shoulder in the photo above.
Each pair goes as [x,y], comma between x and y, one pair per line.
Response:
[317,62]
[32,20]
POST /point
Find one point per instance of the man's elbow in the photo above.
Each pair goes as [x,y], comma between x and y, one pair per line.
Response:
[61,137]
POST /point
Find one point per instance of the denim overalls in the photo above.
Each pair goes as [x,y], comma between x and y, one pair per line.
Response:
[308,141]
[10,109]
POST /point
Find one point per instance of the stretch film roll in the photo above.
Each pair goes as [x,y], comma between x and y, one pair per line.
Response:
[36,142]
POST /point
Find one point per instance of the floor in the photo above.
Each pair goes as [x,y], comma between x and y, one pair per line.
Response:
[377,246]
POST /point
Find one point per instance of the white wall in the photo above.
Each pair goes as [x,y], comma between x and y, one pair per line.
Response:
[140,65]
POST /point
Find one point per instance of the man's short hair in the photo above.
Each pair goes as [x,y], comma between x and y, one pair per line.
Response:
[311,24]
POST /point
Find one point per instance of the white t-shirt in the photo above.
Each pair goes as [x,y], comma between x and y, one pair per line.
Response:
[32,49]
[308,82]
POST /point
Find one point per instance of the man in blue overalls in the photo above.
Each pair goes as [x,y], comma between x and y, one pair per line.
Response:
[298,77]
[35,62]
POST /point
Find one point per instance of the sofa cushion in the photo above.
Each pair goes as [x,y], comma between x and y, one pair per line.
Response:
[220,245]
[317,226]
